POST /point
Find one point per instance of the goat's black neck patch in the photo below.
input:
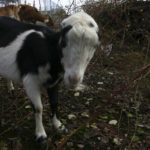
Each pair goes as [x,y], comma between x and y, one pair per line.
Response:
[11,28]
[36,51]
[32,55]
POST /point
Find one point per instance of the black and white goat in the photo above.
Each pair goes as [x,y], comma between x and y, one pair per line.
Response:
[39,57]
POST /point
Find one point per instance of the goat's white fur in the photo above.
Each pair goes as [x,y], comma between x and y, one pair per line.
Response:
[82,40]
[57,124]
[31,84]
[8,66]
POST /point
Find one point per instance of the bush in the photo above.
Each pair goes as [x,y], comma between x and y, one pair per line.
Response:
[126,25]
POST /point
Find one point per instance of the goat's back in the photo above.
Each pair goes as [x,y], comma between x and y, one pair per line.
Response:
[10,11]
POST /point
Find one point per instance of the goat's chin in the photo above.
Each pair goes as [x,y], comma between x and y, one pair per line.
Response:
[79,87]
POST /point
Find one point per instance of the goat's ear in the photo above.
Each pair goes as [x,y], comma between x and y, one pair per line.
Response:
[65,30]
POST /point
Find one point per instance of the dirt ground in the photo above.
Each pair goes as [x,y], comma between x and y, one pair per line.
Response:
[124,124]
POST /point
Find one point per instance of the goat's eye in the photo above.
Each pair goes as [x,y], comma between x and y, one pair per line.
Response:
[91,24]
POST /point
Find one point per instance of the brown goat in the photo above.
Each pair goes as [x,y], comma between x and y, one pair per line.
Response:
[26,13]
[32,15]
[10,11]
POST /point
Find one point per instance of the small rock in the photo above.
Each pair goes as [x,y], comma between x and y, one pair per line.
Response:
[85,114]
[76,94]
[71,116]
[80,145]
[113,122]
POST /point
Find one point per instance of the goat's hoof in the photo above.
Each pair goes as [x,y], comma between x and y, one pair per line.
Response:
[62,129]
[41,140]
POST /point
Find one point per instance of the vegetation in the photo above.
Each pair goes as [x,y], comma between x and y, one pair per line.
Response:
[124,122]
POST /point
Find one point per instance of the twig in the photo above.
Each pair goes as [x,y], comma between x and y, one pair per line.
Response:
[22,121]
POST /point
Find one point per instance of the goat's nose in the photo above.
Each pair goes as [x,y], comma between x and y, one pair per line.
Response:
[73,80]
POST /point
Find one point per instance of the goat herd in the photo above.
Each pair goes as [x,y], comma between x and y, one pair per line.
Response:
[40,57]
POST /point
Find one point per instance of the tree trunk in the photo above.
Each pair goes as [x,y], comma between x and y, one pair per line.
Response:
[39,5]
[19,2]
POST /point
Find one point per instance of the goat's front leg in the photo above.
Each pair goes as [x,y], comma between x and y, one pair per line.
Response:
[53,99]
[33,91]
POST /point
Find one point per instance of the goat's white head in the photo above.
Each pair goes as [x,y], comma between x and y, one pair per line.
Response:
[80,44]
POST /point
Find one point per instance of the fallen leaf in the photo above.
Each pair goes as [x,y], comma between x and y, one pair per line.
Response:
[135,138]
[113,122]
[76,94]
[100,83]
[80,145]
[85,114]
[130,115]
[117,141]
[104,117]
[71,116]
[110,73]
[93,125]
[90,99]
[27,107]
[101,89]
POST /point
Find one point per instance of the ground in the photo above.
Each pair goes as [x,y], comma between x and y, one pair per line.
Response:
[122,124]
